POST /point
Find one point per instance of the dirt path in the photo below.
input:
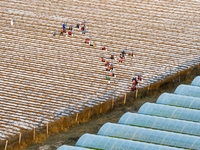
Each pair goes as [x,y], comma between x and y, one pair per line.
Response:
[94,124]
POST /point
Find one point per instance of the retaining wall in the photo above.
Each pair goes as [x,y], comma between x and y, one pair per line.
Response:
[64,123]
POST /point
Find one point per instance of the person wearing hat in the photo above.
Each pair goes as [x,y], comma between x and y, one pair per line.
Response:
[134,81]
[123,52]
[103,59]
[112,56]
[87,40]
[121,58]
[131,53]
[140,77]
[64,26]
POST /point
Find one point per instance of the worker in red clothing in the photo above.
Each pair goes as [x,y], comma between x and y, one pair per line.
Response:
[134,81]
[140,77]
[83,29]
[133,87]
[134,84]
[106,62]
[87,40]
[70,32]
[104,48]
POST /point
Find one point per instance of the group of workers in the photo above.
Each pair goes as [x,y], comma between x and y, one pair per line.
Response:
[69,30]
[122,55]
[109,66]
[65,28]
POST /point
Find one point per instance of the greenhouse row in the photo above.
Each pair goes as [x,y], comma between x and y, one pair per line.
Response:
[161,123]
[179,100]
[173,123]
[149,136]
[170,112]
[109,143]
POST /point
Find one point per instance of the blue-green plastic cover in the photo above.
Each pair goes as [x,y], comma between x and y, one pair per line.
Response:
[160,123]
[150,136]
[170,112]
[110,143]
[66,147]
[188,90]
[179,100]
[196,81]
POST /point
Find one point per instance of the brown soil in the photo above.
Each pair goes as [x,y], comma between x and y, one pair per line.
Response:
[71,136]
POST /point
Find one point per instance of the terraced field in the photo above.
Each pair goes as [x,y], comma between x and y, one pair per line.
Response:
[44,77]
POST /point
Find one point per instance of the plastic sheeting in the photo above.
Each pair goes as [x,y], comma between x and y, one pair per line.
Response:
[160,123]
[170,112]
[109,143]
[150,136]
[66,147]
[179,100]
[196,81]
[188,90]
